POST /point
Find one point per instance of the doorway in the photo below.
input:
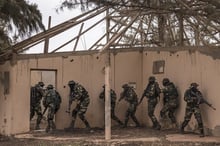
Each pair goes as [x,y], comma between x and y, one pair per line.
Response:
[48,77]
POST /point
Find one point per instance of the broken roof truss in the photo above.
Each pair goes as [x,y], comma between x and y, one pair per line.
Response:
[129,27]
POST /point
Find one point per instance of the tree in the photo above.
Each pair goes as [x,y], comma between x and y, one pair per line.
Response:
[169,22]
[18,19]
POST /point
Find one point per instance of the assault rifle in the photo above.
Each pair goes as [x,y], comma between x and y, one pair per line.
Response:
[69,106]
[202,100]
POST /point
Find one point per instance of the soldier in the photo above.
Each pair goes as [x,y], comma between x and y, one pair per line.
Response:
[51,103]
[131,97]
[37,92]
[191,97]
[170,99]
[79,94]
[113,101]
[152,91]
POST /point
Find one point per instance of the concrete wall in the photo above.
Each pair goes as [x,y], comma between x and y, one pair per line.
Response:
[182,68]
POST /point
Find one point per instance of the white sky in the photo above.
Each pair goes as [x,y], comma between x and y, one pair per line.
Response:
[48,8]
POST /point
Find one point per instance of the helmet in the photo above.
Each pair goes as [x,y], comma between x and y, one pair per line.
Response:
[151,79]
[71,82]
[194,85]
[125,86]
[165,81]
[41,84]
[50,86]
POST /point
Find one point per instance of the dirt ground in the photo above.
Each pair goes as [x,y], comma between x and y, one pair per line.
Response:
[131,136]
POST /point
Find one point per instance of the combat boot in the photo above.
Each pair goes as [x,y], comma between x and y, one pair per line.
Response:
[37,127]
[125,124]
[154,125]
[136,121]
[53,125]
[120,122]
[47,129]
[87,125]
[182,130]
[202,134]
[158,127]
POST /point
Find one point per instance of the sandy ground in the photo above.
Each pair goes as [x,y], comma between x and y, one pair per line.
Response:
[130,136]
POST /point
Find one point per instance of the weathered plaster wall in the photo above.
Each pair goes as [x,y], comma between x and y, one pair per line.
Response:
[5,103]
[182,68]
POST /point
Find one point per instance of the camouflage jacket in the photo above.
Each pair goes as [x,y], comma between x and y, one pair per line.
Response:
[112,95]
[79,93]
[152,91]
[191,98]
[129,95]
[170,92]
[37,92]
[50,98]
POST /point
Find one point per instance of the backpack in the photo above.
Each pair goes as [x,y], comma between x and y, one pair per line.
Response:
[58,101]
[32,96]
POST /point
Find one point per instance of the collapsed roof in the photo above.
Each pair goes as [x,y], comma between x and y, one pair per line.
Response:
[135,24]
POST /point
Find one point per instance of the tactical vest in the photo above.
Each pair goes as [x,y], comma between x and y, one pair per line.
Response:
[152,90]
[170,90]
[130,95]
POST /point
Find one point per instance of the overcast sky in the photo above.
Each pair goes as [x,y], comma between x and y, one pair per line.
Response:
[48,8]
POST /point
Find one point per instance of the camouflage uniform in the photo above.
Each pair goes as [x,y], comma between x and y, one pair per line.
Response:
[170,100]
[50,103]
[113,101]
[37,92]
[192,107]
[78,93]
[131,97]
[152,91]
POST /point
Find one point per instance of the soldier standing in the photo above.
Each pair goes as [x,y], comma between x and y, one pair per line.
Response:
[170,99]
[113,101]
[50,102]
[79,94]
[191,97]
[131,97]
[152,92]
[37,92]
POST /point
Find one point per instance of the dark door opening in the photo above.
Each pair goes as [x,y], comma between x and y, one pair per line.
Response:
[48,77]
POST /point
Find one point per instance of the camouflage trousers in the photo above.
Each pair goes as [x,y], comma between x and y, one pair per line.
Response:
[113,116]
[169,108]
[151,108]
[80,110]
[50,117]
[131,113]
[190,110]
[36,109]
